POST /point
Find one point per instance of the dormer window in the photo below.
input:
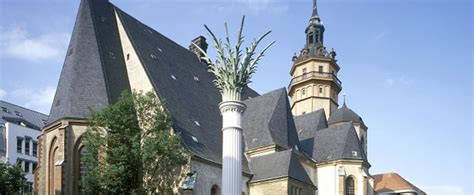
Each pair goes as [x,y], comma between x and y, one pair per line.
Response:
[5,110]
[18,114]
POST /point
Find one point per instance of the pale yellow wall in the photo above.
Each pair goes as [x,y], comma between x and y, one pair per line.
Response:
[67,134]
[281,186]
[278,187]
[331,173]
[312,90]
[314,66]
[137,76]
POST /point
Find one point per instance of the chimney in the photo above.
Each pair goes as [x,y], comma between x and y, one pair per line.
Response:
[200,42]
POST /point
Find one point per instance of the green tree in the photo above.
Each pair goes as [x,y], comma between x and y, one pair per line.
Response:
[131,149]
[12,178]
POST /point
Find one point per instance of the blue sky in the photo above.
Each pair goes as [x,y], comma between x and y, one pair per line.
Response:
[406,66]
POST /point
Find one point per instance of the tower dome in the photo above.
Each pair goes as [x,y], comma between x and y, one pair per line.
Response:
[344,114]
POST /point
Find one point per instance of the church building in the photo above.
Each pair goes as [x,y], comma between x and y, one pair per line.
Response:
[298,140]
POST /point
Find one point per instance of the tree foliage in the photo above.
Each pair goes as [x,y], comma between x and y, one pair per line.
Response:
[232,68]
[12,178]
[130,148]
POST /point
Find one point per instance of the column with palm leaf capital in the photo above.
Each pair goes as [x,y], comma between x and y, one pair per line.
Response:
[233,70]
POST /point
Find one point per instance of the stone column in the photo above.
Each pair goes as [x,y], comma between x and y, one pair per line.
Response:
[232,148]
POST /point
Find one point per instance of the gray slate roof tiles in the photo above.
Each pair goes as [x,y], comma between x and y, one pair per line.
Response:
[13,113]
[308,124]
[276,165]
[334,143]
[189,101]
[268,120]
[94,72]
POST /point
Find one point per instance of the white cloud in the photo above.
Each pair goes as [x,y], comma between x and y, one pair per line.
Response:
[35,99]
[3,93]
[401,80]
[18,43]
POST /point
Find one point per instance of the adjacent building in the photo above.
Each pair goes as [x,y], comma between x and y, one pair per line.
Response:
[304,145]
[19,129]
[394,184]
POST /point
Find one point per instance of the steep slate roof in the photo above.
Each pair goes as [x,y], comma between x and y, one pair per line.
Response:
[94,75]
[264,167]
[15,114]
[308,124]
[393,182]
[334,143]
[193,104]
[268,120]
[94,72]
[344,114]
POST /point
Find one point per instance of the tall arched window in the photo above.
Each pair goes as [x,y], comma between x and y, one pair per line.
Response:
[54,168]
[79,167]
[350,186]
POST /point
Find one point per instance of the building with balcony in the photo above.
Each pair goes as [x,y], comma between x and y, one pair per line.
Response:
[19,129]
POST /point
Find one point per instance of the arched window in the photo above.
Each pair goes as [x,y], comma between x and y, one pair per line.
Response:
[54,168]
[79,151]
[310,38]
[215,190]
[350,186]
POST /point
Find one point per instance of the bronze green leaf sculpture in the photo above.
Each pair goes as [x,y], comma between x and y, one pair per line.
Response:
[233,69]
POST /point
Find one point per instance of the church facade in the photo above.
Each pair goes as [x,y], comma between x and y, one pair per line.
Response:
[304,145]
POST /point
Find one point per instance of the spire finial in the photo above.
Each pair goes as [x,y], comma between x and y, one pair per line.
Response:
[344,104]
[315,9]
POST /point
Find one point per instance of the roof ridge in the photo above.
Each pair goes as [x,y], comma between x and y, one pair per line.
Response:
[281,93]
[29,109]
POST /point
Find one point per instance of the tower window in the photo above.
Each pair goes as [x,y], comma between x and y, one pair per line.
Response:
[320,90]
[303,91]
[317,38]
[310,38]
[320,69]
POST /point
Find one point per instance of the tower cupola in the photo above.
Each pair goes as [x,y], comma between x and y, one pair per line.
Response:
[315,30]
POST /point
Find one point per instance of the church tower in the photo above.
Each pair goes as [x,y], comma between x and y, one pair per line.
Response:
[314,84]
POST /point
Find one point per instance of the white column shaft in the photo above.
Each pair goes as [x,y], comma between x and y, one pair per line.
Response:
[232,149]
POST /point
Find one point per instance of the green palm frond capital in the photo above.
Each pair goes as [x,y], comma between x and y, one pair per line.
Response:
[233,68]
